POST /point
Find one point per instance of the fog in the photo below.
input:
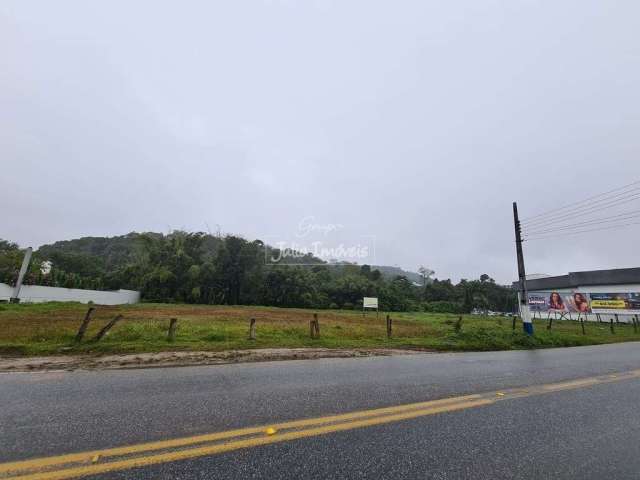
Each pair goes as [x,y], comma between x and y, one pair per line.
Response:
[413,125]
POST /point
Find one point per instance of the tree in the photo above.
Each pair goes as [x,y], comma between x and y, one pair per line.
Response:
[10,261]
[425,273]
[194,267]
[486,278]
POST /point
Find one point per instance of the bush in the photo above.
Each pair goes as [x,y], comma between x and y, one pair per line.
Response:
[443,307]
[480,339]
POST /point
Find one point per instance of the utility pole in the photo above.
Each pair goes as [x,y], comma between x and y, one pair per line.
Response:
[23,270]
[525,314]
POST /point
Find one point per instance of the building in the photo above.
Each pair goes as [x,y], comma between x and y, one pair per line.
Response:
[597,295]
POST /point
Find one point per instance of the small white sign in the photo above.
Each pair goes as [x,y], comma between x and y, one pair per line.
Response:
[370,302]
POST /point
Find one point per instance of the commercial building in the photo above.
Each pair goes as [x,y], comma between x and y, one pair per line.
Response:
[597,295]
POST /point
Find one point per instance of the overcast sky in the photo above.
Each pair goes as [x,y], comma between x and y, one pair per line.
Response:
[416,123]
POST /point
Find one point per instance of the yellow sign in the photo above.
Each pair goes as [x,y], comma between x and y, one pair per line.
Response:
[616,304]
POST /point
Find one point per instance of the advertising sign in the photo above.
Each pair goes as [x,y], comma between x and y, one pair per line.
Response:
[575,302]
[623,303]
[578,302]
[538,302]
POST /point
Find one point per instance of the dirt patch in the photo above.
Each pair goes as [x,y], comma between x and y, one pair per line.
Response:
[168,359]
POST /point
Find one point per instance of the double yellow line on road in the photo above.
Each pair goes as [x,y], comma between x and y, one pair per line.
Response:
[121,458]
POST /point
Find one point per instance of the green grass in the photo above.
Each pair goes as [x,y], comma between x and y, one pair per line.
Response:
[50,328]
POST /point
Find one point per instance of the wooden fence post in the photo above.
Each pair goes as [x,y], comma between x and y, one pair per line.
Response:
[106,328]
[389,327]
[314,327]
[252,329]
[173,323]
[458,325]
[611,325]
[550,322]
[514,323]
[84,325]
[582,325]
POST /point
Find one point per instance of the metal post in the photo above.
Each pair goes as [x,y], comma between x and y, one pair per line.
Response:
[23,270]
[525,314]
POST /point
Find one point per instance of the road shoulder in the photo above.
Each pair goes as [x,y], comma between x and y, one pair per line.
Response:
[169,359]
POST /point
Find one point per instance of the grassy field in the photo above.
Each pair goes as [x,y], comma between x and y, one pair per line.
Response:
[50,329]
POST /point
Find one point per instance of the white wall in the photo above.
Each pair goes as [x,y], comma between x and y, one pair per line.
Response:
[38,294]
[5,291]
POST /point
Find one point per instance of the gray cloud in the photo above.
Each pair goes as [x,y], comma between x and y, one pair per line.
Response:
[418,123]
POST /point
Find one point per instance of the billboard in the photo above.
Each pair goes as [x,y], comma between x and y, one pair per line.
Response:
[623,303]
[538,302]
[578,302]
[575,302]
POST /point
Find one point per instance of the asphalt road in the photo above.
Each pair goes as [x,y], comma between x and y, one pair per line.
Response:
[587,432]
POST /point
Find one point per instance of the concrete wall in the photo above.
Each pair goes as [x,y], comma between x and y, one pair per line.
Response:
[38,294]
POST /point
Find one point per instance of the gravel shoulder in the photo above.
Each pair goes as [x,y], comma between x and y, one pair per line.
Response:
[168,359]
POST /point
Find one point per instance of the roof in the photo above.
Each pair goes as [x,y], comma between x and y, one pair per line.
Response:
[617,276]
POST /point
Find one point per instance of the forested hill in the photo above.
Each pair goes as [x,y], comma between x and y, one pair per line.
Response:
[114,252]
[201,268]
[392,272]
[109,253]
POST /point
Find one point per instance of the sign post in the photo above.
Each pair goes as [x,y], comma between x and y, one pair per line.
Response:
[370,302]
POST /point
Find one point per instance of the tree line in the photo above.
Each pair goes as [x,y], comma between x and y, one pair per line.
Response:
[194,267]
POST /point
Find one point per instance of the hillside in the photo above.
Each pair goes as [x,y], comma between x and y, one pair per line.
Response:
[110,253]
[391,272]
[193,267]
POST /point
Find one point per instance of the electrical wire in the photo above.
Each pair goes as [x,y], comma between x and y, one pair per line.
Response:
[586,200]
[588,211]
[610,227]
[603,202]
[595,221]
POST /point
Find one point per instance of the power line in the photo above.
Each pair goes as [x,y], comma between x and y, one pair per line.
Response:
[605,201]
[525,220]
[588,211]
[610,227]
[595,221]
